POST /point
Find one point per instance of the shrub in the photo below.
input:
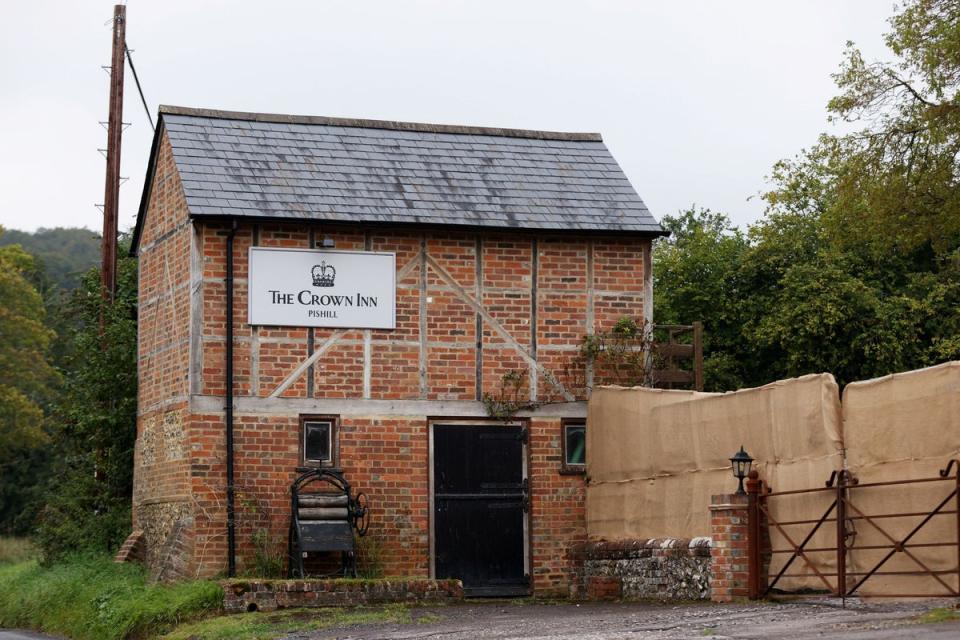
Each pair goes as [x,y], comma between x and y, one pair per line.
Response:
[93,423]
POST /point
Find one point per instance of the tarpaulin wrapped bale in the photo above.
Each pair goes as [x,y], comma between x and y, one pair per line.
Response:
[900,427]
[625,497]
[655,457]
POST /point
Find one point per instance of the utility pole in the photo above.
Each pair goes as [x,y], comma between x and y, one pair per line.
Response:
[111,198]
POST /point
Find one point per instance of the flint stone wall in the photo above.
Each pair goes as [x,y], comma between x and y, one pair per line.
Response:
[660,568]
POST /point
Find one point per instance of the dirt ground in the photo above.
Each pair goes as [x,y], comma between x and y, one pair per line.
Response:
[640,621]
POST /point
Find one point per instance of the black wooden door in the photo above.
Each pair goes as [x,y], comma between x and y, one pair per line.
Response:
[480,505]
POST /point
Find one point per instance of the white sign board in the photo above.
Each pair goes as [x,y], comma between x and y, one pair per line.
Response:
[312,288]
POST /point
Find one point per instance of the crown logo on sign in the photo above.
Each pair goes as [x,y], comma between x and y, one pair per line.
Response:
[323,274]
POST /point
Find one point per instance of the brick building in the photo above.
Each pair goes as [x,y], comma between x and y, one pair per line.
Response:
[506,247]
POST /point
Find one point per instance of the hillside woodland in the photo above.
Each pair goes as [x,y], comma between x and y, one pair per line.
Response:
[61,255]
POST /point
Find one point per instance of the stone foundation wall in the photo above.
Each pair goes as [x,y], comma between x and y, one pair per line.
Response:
[662,569]
[270,595]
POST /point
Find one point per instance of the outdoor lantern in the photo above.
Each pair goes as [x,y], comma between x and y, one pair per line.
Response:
[741,461]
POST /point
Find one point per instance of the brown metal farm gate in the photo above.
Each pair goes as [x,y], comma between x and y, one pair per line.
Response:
[802,542]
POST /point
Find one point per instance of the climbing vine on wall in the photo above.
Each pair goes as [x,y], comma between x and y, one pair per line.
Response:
[508,400]
[625,355]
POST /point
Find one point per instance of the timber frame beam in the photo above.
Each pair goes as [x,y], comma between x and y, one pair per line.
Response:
[425,261]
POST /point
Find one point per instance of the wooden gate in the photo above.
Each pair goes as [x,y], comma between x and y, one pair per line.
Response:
[828,563]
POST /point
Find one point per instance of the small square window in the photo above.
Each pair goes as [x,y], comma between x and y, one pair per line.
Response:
[574,446]
[318,445]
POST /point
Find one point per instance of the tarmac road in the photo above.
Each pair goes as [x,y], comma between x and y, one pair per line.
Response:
[640,621]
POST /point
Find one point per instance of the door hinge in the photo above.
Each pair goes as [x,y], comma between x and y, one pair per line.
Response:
[524,435]
[525,501]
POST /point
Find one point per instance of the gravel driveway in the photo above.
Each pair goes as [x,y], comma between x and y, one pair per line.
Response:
[639,621]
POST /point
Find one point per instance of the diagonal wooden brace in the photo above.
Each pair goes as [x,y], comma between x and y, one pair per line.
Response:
[496,326]
[332,340]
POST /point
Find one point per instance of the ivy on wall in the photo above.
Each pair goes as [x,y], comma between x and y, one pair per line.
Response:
[625,355]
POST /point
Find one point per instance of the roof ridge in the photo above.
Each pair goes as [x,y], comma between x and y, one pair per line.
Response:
[380,124]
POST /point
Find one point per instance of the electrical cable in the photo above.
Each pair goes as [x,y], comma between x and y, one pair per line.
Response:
[136,79]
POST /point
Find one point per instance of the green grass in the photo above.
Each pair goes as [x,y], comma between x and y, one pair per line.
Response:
[14,550]
[265,626]
[92,598]
[941,614]
[428,618]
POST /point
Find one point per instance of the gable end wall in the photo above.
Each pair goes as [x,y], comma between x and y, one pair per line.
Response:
[162,504]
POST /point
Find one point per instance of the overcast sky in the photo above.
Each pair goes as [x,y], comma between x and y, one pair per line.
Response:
[696,100]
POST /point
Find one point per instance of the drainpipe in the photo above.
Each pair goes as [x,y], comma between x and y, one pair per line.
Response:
[228,409]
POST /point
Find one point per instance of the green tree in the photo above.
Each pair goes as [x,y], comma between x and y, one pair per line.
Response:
[895,178]
[27,384]
[88,501]
[873,286]
[25,374]
[696,277]
[855,269]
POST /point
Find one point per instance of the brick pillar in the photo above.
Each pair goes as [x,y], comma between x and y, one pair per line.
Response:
[728,555]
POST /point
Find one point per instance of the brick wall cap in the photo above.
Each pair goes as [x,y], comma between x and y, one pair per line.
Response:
[719,502]
[269,595]
[326,584]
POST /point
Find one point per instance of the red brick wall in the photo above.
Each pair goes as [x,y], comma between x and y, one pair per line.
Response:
[164,296]
[558,516]
[563,314]
[388,459]
[384,455]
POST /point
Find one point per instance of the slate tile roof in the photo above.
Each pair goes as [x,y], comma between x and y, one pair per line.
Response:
[329,169]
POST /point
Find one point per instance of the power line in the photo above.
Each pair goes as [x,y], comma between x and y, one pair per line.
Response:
[136,79]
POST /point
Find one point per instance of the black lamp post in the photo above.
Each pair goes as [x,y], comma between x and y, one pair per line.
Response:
[741,462]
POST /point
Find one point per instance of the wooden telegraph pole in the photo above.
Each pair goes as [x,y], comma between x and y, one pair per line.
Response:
[111,198]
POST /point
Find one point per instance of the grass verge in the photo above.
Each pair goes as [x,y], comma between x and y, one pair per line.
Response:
[13,550]
[264,626]
[92,598]
[940,614]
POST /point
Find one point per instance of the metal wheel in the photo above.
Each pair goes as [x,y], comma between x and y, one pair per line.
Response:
[294,556]
[361,514]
